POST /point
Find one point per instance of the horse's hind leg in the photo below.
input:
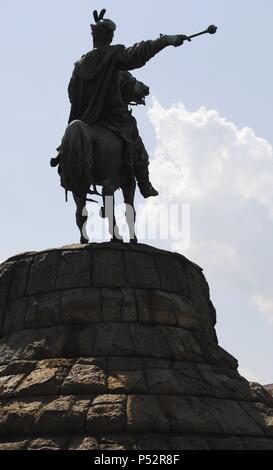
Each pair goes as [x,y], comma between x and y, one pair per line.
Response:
[129,189]
[81,217]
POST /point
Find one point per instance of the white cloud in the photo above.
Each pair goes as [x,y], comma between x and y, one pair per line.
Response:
[226,175]
[265,306]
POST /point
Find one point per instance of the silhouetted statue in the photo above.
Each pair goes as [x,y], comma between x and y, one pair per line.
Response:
[101,145]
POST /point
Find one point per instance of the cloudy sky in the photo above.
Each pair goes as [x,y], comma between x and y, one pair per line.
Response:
[207,126]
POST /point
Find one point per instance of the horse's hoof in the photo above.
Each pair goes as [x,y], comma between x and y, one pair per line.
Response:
[116,240]
[84,241]
[133,241]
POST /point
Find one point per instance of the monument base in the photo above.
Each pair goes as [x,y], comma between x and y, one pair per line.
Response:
[113,347]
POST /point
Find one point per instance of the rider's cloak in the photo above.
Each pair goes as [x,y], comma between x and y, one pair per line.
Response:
[94,89]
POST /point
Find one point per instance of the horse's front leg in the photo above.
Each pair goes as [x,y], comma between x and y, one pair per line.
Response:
[129,189]
[81,217]
[108,211]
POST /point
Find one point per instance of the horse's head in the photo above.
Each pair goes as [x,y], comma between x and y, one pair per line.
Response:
[141,91]
[133,91]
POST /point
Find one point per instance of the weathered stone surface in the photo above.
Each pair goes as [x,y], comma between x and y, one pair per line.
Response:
[155,307]
[83,443]
[188,443]
[113,336]
[4,289]
[236,388]
[152,442]
[114,442]
[129,310]
[20,278]
[43,273]
[85,378]
[15,316]
[226,443]
[258,444]
[9,384]
[172,274]
[214,354]
[43,310]
[223,386]
[113,347]
[63,415]
[15,445]
[231,417]
[108,269]
[7,271]
[43,343]
[156,363]
[108,412]
[17,368]
[163,381]
[80,341]
[81,306]
[99,362]
[146,414]
[269,389]
[190,343]
[12,347]
[148,341]
[269,425]
[181,343]
[111,305]
[127,382]
[189,415]
[141,271]
[110,398]
[17,417]
[200,297]
[186,315]
[43,380]
[261,414]
[125,363]
[74,270]
[48,444]
[189,380]
[259,394]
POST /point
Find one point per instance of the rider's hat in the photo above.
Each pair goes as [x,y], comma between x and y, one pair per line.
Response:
[103,28]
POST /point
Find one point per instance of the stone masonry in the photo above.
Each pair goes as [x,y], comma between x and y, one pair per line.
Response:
[110,346]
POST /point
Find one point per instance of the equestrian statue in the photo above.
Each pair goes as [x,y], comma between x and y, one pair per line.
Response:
[101,145]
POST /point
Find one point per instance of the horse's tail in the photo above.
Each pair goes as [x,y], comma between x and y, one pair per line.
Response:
[76,158]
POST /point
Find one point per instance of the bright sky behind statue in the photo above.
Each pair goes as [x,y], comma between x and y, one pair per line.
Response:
[207,126]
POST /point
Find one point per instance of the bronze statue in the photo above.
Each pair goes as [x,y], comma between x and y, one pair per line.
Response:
[102,145]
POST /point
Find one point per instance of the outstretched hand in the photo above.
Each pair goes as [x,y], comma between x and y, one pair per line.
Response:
[177,40]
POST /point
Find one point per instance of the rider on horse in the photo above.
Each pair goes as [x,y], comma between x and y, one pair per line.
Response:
[95,91]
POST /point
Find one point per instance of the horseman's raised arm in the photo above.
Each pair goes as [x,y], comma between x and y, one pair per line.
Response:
[139,54]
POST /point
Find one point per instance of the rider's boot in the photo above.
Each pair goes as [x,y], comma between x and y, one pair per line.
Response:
[143,181]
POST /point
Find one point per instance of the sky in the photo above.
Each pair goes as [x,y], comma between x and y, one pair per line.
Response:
[207,127]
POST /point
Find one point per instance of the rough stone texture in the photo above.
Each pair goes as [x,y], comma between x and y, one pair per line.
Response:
[113,347]
[269,389]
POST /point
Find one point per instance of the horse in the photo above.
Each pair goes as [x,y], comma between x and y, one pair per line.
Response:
[94,156]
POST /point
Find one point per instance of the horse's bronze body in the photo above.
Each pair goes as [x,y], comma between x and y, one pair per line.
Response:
[94,156]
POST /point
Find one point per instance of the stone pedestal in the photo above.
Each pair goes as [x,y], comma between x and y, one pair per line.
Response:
[109,346]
